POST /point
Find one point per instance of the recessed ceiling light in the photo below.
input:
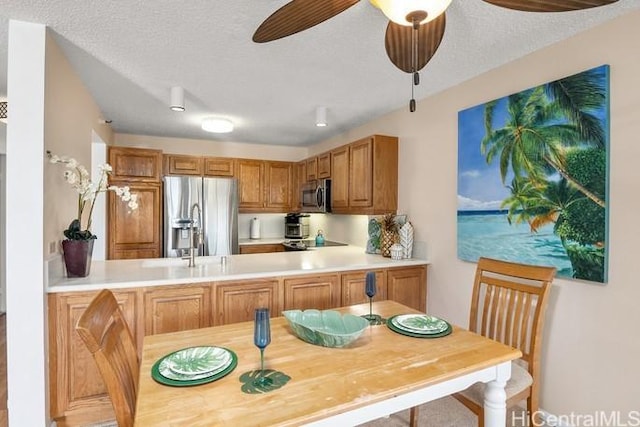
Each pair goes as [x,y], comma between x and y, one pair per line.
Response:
[217,125]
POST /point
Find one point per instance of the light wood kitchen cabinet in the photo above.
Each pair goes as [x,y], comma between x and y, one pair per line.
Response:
[265,186]
[320,292]
[340,179]
[299,179]
[368,183]
[137,233]
[312,168]
[251,185]
[219,166]
[324,165]
[353,287]
[279,186]
[76,389]
[408,286]
[261,248]
[236,301]
[175,164]
[135,164]
[179,308]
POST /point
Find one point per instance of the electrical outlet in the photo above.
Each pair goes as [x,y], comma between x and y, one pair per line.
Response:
[53,247]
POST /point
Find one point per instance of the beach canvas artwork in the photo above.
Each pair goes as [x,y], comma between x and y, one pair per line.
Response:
[533,177]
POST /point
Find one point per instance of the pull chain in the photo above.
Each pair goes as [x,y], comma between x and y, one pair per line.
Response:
[414,62]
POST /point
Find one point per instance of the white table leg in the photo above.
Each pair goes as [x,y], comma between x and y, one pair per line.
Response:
[495,406]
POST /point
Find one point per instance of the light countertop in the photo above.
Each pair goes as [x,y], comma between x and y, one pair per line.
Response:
[117,274]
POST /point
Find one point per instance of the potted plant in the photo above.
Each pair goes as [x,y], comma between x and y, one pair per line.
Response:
[78,245]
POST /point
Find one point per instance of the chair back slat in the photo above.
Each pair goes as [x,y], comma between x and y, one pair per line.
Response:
[508,304]
[106,335]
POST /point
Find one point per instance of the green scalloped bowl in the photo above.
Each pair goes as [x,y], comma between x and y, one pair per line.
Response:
[326,328]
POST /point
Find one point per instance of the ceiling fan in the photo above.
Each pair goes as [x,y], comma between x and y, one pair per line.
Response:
[415,30]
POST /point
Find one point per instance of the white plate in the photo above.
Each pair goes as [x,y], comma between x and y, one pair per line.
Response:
[420,323]
[195,363]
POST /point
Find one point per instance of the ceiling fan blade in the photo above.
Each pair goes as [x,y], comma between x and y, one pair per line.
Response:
[398,44]
[298,15]
[549,5]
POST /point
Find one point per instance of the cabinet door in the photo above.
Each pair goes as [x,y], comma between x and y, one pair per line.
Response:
[324,165]
[312,169]
[182,165]
[408,286]
[172,309]
[320,292]
[75,382]
[251,184]
[135,164]
[361,173]
[340,178]
[353,287]
[300,177]
[261,249]
[236,301]
[278,184]
[219,166]
[138,232]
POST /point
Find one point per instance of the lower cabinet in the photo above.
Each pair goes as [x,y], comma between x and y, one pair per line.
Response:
[172,309]
[76,390]
[261,248]
[353,287]
[77,393]
[321,292]
[408,286]
[236,301]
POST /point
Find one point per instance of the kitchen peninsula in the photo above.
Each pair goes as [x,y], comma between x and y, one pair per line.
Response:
[164,295]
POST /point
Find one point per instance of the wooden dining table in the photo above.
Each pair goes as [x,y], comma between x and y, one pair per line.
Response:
[380,373]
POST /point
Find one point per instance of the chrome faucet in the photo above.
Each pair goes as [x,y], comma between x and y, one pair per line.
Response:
[193,247]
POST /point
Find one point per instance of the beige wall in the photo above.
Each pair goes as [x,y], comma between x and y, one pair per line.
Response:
[70,116]
[200,147]
[592,343]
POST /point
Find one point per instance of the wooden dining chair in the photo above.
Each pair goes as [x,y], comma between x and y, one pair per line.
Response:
[508,305]
[104,331]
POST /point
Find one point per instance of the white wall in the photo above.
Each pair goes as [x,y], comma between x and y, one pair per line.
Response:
[199,147]
[26,318]
[591,347]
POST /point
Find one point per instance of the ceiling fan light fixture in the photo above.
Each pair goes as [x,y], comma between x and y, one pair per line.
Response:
[177,99]
[402,11]
[217,125]
[321,117]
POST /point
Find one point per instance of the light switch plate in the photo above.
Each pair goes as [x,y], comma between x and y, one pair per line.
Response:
[53,247]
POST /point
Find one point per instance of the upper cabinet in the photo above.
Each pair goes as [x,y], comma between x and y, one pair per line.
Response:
[324,165]
[312,169]
[135,164]
[364,176]
[265,186]
[178,164]
[182,165]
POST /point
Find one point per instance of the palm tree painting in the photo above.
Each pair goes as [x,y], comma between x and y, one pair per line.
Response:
[533,176]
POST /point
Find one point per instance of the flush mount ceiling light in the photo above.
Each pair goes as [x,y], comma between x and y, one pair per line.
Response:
[3,111]
[177,99]
[216,125]
[321,117]
[414,32]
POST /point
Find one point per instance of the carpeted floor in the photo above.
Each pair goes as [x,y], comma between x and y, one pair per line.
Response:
[445,412]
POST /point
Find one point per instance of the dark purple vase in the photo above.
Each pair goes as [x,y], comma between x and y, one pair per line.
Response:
[77,257]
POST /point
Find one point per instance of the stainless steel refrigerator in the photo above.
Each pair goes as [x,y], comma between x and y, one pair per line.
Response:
[218,224]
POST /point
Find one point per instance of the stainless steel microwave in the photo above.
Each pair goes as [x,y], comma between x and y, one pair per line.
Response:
[316,196]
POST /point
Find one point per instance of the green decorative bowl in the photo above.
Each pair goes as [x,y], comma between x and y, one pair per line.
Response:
[326,328]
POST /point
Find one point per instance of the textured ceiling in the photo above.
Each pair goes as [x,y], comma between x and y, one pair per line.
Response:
[130,53]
